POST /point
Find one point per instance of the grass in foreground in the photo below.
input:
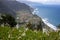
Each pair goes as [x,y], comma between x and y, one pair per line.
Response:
[7,33]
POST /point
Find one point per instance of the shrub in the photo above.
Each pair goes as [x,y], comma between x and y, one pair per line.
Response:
[8,19]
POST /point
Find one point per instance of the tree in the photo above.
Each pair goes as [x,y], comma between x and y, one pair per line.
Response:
[6,18]
[11,20]
[29,25]
[1,22]
[39,26]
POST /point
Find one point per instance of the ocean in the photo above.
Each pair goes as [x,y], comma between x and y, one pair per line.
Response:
[49,12]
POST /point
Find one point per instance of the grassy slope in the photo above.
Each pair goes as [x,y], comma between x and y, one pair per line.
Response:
[7,33]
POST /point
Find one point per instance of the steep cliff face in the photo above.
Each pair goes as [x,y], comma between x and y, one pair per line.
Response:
[17,9]
[13,6]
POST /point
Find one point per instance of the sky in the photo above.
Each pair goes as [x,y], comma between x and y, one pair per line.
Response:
[44,1]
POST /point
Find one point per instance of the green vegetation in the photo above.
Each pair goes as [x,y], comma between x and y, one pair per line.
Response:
[7,19]
[34,26]
[25,32]
[29,25]
[39,26]
[7,33]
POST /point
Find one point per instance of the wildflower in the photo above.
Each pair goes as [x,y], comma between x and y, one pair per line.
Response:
[23,34]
